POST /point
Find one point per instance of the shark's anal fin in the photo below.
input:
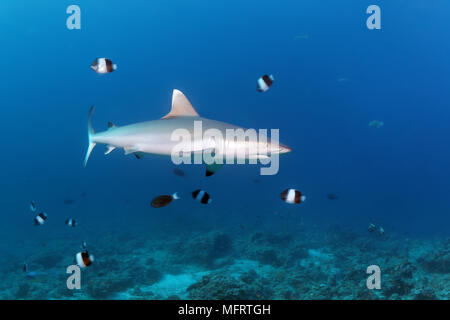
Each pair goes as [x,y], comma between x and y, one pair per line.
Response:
[212,168]
[180,106]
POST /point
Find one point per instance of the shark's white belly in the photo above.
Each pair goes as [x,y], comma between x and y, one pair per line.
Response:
[160,136]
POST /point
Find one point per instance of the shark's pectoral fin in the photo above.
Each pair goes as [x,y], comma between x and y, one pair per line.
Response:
[129,150]
[208,151]
[109,149]
[134,150]
[212,168]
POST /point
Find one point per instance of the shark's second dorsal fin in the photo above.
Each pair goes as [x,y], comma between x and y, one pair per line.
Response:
[180,106]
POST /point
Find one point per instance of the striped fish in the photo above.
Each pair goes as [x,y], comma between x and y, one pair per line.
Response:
[84,259]
[201,196]
[103,65]
[263,84]
[40,219]
[71,222]
[292,196]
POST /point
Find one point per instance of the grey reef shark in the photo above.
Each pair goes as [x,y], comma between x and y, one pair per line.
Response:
[160,137]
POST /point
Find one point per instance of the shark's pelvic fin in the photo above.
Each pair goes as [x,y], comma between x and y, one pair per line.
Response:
[109,149]
[180,106]
[212,168]
[91,132]
[111,125]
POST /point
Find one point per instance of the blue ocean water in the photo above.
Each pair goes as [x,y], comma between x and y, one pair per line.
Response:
[332,77]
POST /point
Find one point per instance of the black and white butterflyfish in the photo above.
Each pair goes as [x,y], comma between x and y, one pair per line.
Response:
[84,259]
[201,196]
[103,65]
[40,219]
[32,206]
[292,196]
[263,84]
[71,222]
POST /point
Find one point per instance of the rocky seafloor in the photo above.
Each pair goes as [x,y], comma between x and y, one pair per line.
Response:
[236,264]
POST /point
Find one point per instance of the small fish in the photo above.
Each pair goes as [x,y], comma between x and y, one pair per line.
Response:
[84,259]
[343,80]
[68,201]
[178,172]
[332,196]
[83,194]
[40,219]
[376,124]
[381,230]
[263,84]
[71,222]
[83,245]
[25,267]
[371,227]
[103,65]
[301,37]
[32,206]
[292,196]
[256,180]
[201,196]
[164,200]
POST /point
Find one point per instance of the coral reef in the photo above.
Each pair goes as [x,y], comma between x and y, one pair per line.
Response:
[223,264]
[205,249]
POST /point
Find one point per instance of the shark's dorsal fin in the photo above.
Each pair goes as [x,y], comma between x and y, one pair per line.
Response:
[180,106]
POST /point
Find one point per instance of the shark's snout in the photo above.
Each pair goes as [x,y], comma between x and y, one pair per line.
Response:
[284,149]
[279,148]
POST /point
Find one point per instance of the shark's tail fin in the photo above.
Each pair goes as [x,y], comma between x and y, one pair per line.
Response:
[91,132]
